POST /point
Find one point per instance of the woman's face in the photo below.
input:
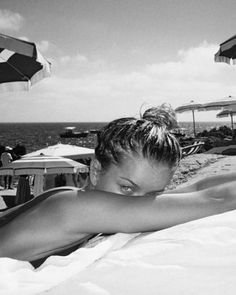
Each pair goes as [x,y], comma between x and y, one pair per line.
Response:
[135,176]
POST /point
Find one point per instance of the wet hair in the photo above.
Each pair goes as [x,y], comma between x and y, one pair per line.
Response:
[149,136]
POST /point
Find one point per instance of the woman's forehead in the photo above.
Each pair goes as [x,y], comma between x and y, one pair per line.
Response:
[143,171]
[137,159]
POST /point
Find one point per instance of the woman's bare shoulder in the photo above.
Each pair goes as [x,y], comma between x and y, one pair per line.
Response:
[59,205]
[49,223]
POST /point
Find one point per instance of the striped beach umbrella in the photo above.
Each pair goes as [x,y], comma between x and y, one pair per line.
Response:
[21,64]
[227,51]
[43,165]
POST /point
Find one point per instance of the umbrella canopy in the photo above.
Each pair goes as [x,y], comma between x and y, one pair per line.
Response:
[21,64]
[43,165]
[227,112]
[64,150]
[219,104]
[230,111]
[190,107]
[227,51]
[187,107]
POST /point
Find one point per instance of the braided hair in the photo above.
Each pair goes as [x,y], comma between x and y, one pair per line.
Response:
[149,136]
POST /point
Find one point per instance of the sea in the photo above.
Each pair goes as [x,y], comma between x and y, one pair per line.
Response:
[35,136]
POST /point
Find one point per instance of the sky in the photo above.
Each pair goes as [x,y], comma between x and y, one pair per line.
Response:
[115,58]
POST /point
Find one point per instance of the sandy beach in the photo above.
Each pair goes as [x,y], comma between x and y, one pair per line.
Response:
[222,165]
[195,167]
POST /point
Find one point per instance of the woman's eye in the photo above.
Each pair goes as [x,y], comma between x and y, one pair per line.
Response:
[126,190]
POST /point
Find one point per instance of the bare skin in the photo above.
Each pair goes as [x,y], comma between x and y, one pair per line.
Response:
[134,176]
[207,183]
[66,217]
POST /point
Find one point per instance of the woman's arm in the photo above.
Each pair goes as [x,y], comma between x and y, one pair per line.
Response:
[66,217]
[109,213]
[206,183]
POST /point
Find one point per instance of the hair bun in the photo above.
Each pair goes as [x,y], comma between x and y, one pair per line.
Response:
[162,115]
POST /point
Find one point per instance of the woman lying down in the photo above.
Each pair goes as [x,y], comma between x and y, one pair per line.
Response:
[134,161]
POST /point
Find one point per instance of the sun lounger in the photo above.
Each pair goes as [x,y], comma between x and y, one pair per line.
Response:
[192,149]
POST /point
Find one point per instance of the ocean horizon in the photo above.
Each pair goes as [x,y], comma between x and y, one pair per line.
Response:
[36,135]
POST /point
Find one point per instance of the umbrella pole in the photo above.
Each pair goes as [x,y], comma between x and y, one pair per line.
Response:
[194,128]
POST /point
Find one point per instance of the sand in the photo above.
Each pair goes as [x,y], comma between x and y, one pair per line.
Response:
[222,165]
[193,167]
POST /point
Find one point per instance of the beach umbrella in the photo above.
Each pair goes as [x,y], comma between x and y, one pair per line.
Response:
[227,51]
[43,165]
[64,150]
[190,107]
[230,111]
[219,104]
[21,64]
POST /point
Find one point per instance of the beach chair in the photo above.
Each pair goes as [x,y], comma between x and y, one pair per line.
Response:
[192,149]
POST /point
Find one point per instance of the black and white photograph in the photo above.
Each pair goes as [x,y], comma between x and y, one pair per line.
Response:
[117,147]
